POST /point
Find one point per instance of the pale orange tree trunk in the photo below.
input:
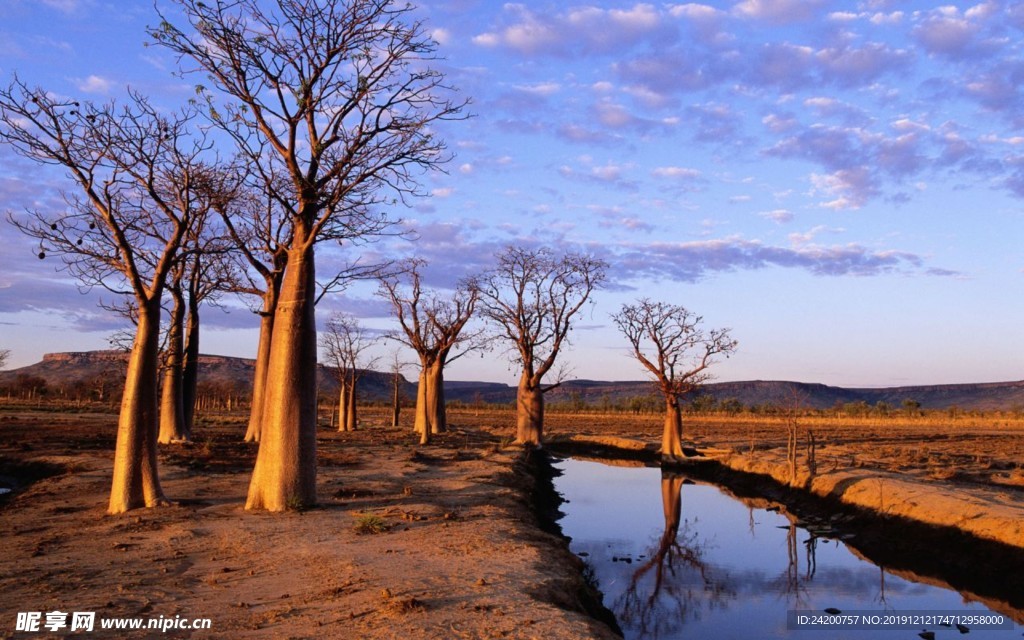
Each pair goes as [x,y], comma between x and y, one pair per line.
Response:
[351,410]
[529,411]
[136,482]
[672,434]
[172,414]
[342,402]
[285,473]
[259,383]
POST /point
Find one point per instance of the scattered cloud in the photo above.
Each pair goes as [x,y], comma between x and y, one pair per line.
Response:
[94,84]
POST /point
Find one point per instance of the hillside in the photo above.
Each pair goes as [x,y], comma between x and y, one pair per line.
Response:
[62,370]
[65,370]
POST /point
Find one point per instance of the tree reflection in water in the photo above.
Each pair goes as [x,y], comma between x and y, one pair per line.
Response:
[676,582]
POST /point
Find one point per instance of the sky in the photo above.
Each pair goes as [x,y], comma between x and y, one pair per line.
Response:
[839,183]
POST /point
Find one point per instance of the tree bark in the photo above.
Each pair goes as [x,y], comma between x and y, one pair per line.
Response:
[343,404]
[435,399]
[172,415]
[190,368]
[672,435]
[529,413]
[351,414]
[421,423]
[136,482]
[396,400]
[259,383]
[285,473]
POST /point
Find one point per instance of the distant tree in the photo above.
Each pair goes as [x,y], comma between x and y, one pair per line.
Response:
[396,388]
[344,343]
[431,324]
[911,407]
[135,169]
[531,298]
[670,343]
[332,105]
[4,355]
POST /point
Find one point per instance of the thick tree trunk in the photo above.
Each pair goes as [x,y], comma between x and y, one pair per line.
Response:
[421,423]
[672,434]
[190,368]
[351,414]
[342,403]
[285,472]
[172,415]
[529,413]
[136,482]
[435,399]
[259,383]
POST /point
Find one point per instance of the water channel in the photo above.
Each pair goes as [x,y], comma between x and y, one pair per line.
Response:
[678,559]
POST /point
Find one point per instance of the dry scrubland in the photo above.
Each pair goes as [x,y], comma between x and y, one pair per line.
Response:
[435,541]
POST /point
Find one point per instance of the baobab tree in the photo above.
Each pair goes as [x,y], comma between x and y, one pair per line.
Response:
[135,168]
[202,272]
[338,100]
[531,298]
[670,343]
[261,231]
[344,343]
[431,324]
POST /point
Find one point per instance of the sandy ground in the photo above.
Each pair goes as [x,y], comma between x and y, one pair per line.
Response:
[462,555]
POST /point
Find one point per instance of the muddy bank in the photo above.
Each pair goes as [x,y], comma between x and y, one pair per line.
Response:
[407,542]
[933,550]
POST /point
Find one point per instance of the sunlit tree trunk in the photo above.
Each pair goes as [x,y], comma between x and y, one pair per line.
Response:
[529,413]
[285,473]
[436,415]
[342,403]
[351,413]
[136,483]
[259,383]
[672,435]
[421,423]
[172,416]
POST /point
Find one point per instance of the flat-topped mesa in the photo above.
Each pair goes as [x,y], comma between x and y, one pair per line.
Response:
[77,357]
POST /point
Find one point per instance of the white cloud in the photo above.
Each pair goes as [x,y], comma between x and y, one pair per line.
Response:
[94,84]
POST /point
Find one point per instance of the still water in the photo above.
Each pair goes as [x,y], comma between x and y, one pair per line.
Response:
[681,560]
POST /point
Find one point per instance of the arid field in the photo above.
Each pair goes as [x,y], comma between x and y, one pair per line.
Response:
[407,541]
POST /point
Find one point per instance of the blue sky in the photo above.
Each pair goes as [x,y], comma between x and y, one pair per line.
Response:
[840,183]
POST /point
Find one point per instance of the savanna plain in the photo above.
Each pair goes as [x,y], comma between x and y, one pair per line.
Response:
[409,540]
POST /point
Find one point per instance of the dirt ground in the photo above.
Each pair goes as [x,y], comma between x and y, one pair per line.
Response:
[408,542]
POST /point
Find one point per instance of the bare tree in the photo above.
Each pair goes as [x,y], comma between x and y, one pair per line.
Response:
[532,298]
[4,355]
[396,388]
[337,98]
[134,168]
[261,230]
[670,343]
[344,342]
[431,324]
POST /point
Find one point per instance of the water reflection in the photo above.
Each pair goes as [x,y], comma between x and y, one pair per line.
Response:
[675,582]
[689,560]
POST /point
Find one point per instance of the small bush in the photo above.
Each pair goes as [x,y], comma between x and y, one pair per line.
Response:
[370,524]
